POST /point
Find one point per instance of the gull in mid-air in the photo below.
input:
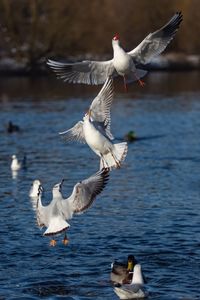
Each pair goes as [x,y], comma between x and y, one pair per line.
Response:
[95,130]
[126,64]
[55,216]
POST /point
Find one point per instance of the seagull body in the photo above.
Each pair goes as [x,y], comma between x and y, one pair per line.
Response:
[135,289]
[15,164]
[55,216]
[123,63]
[95,130]
[34,189]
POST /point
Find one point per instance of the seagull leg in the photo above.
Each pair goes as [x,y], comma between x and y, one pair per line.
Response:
[125,85]
[104,162]
[116,161]
[65,241]
[141,82]
[52,243]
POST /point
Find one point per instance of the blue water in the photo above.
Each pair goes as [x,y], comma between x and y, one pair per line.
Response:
[150,207]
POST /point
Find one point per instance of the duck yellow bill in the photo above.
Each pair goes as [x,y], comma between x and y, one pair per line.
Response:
[130,266]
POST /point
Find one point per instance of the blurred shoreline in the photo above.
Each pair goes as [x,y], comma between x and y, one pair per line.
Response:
[168,62]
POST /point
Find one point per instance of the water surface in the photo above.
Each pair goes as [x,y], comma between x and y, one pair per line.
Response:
[150,207]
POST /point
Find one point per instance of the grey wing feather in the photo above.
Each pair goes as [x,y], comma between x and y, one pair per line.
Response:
[100,107]
[75,133]
[86,72]
[86,191]
[40,210]
[156,42]
[131,287]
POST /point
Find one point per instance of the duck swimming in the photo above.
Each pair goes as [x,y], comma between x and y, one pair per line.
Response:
[135,289]
[120,272]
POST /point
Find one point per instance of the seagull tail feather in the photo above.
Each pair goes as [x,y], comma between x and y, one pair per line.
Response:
[114,159]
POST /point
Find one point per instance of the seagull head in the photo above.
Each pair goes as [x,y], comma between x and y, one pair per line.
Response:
[88,114]
[115,40]
[14,156]
[116,37]
[36,182]
[40,190]
[57,189]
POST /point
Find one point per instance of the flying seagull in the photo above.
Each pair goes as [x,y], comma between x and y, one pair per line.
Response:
[95,130]
[123,63]
[55,216]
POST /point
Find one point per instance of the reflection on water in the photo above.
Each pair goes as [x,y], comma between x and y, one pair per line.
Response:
[157,83]
[150,208]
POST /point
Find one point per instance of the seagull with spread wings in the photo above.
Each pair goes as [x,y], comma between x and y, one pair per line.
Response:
[55,216]
[95,130]
[126,64]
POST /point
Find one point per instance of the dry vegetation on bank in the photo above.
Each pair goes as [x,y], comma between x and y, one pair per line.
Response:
[36,29]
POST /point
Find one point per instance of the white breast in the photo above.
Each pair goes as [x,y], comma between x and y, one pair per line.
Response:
[122,61]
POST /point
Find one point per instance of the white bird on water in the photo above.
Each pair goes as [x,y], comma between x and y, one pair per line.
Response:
[135,289]
[95,130]
[15,164]
[34,189]
[55,215]
[123,63]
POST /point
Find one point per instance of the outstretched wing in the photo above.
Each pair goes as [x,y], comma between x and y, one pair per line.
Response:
[156,42]
[75,133]
[85,192]
[41,211]
[100,107]
[87,72]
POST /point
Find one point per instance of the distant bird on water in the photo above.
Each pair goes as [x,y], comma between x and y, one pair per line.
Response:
[55,216]
[15,164]
[12,127]
[35,188]
[95,130]
[126,64]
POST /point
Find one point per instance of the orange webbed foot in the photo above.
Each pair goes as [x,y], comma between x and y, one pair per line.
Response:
[52,243]
[65,241]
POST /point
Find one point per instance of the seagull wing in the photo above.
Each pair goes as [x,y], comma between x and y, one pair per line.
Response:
[156,42]
[85,192]
[75,133]
[42,212]
[100,107]
[87,72]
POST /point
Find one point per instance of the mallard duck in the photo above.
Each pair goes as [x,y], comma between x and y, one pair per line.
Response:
[135,289]
[130,136]
[120,272]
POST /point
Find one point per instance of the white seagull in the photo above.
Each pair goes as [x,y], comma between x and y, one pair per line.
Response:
[15,164]
[123,63]
[55,216]
[135,289]
[34,188]
[95,130]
